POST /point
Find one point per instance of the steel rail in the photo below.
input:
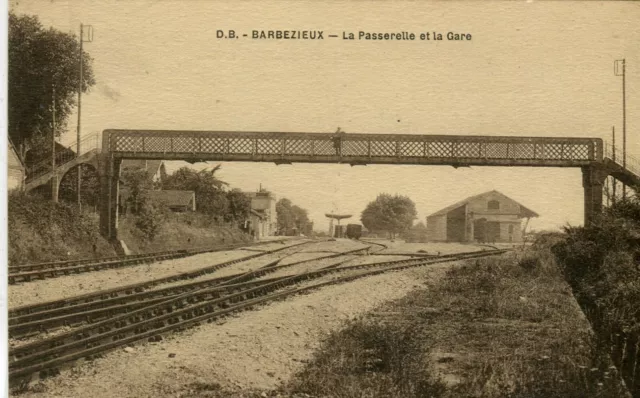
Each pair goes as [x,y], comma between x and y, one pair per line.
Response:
[100,265]
[141,286]
[66,263]
[45,321]
[409,254]
[178,315]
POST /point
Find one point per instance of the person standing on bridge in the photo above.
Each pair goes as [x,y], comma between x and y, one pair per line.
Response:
[337,141]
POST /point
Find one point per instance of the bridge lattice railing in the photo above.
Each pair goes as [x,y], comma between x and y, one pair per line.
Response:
[87,143]
[365,146]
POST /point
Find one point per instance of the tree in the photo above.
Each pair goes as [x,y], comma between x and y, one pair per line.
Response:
[291,216]
[300,218]
[420,225]
[393,214]
[284,214]
[90,190]
[417,233]
[239,205]
[38,60]
[137,181]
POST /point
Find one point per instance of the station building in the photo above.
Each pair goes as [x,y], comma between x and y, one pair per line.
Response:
[489,217]
[263,213]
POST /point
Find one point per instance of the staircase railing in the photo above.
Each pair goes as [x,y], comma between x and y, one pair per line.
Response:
[87,143]
[632,163]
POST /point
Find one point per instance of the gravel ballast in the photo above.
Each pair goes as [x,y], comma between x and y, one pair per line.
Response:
[253,349]
[72,285]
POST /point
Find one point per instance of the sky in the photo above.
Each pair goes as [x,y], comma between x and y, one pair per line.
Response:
[531,69]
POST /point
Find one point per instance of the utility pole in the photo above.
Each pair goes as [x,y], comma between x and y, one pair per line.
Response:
[79,119]
[613,148]
[624,119]
[624,125]
[89,39]
[54,181]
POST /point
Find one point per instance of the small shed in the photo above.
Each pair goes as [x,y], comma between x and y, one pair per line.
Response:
[488,217]
[175,200]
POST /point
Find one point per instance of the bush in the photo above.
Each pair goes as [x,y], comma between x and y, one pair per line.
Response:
[150,219]
[40,230]
[600,264]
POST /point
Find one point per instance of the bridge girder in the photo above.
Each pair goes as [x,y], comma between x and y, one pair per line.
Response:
[286,148]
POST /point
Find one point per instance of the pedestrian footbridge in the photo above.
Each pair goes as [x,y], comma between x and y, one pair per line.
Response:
[590,154]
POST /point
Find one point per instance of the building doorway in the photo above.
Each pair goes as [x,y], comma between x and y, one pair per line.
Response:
[456,225]
[493,231]
[479,230]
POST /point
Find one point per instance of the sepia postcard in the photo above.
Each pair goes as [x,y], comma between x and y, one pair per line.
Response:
[321,199]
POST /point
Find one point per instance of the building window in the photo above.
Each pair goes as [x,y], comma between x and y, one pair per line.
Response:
[510,229]
[493,205]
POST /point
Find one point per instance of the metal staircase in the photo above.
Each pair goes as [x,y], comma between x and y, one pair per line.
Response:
[41,172]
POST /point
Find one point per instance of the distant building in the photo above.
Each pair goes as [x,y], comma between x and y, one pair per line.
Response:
[256,225]
[485,218]
[155,168]
[264,203]
[15,169]
[175,200]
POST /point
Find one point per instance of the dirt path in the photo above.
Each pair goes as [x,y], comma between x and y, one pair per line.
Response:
[257,348]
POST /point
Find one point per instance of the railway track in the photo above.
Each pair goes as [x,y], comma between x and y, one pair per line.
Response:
[29,272]
[142,286]
[43,320]
[189,309]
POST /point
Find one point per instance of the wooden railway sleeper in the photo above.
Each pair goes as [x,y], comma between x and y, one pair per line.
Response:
[120,323]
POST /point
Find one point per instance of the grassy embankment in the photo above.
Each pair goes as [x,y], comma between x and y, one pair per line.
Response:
[492,328]
[602,265]
[179,231]
[40,230]
[496,327]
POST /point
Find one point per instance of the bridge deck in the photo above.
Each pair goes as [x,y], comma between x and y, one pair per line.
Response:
[353,148]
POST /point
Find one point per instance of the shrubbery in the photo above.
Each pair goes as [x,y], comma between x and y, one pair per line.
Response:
[149,219]
[601,264]
[40,230]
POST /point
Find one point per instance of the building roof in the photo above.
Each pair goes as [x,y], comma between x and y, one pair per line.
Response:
[169,198]
[260,194]
[14,152]
[172,198]
[524,212]
[259,213]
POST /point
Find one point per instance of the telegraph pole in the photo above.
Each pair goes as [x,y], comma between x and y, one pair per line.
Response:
[89,40]
[79,119]
[613,148]
[624,126]
[624,118]
[53,149]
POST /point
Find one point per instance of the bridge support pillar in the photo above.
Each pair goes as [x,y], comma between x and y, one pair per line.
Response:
[55,186]
[109,171]
[593,178]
